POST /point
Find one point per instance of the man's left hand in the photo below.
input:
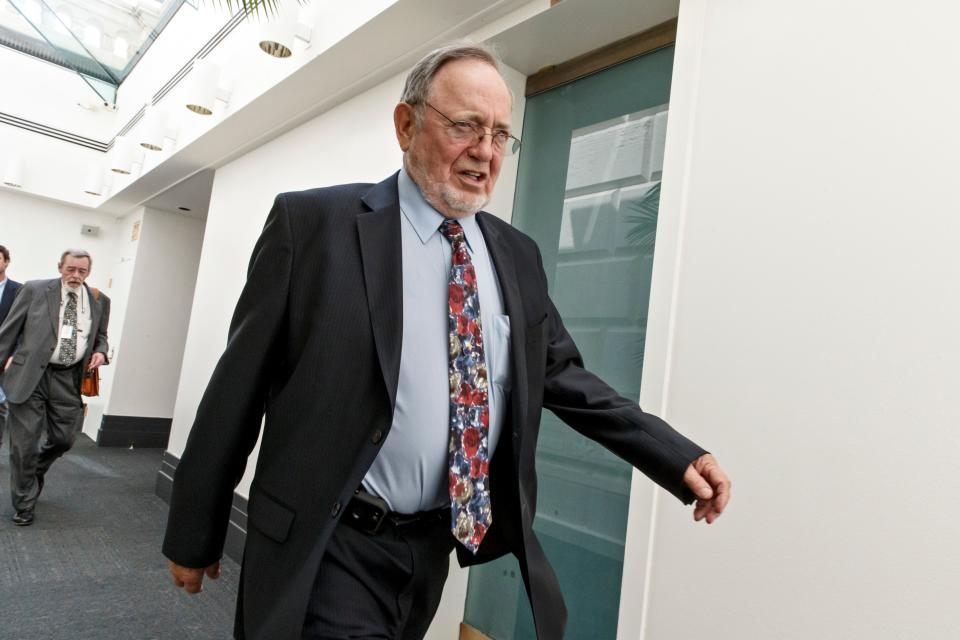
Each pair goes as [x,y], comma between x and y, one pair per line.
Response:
[711,486]
[96,360]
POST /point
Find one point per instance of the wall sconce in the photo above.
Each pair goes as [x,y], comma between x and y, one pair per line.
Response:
[205,87]
[278,33]
[13,176]
[94,182]
[123,156]
[154,129]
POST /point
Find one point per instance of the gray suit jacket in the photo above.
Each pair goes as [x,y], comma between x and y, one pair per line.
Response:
[31,330]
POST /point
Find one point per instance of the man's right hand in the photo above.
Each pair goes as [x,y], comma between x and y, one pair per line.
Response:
[192,579]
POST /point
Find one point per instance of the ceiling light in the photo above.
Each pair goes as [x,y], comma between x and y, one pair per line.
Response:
[123,156]
[13,177]
[204,88]
[94,183]
[278,33]
[153,129]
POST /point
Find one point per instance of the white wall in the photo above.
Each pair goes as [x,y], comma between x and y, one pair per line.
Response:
[37,231]
[119,278]
[804,323]
[146,365]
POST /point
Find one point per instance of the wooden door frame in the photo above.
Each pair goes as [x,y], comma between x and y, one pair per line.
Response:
[662,35]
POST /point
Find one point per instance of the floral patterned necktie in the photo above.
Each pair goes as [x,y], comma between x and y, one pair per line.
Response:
[469,457]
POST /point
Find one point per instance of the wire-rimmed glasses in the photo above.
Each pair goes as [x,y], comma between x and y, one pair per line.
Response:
[465,131]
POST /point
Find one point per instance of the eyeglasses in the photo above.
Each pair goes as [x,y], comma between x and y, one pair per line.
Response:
[466,131]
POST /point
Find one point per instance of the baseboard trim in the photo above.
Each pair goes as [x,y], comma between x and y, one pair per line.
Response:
[236,532]
[164,484]
[134,431]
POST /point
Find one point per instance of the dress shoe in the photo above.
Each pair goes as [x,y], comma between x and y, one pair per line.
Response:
[23,518]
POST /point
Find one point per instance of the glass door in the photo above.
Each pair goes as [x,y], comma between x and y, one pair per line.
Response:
[588,192]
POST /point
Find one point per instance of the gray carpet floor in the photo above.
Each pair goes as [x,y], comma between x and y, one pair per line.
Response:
[90,567]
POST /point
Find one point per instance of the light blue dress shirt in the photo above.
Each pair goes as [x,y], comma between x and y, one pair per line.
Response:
[410,472]
[3,285]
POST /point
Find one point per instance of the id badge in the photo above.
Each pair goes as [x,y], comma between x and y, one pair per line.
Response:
[66,332]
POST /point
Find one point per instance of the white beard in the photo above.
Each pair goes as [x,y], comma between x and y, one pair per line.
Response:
[441,195]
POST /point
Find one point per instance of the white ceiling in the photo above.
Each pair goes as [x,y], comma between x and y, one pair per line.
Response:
[369,55]
[574,27]
[378,50]
[192,193]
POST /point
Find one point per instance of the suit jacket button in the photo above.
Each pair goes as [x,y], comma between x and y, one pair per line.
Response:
[377,436]
[336,509]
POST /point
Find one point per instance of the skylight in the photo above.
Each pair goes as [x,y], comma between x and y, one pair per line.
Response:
[102,40]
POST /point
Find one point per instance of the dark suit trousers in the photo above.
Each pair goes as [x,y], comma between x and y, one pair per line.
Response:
[385,586]
[54,407]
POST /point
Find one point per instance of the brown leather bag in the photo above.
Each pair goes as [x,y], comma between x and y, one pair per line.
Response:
[90,385]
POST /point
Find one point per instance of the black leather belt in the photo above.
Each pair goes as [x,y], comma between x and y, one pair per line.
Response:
[371,514]
[62,367]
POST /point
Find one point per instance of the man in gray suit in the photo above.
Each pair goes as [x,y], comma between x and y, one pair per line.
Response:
[56,330]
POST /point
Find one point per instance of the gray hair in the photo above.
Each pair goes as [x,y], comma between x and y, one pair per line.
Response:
[416,90]
[75,253]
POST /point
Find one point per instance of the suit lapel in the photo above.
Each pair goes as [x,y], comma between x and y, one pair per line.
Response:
[53,305]
[95,312]
[381,253]
[510,287]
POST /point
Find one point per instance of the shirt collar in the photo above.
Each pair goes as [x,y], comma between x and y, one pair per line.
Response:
[64,290]
[426,220]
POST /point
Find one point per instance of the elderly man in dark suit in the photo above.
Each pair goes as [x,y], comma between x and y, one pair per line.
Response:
[401,345]
[56,330]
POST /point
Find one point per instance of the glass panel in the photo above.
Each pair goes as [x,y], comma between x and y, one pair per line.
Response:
[102,40]
[588,193]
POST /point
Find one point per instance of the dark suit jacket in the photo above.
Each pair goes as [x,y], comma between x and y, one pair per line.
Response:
[31,332]
[315,343]
[6,301]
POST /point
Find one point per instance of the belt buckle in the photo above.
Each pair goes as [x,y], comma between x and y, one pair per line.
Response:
[367,512]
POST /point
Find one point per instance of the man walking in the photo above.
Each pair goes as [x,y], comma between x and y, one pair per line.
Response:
[56,330]
[402,344]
